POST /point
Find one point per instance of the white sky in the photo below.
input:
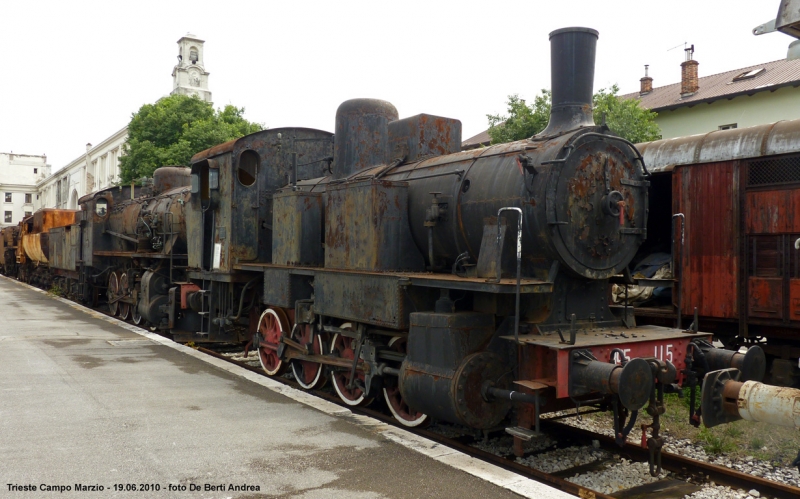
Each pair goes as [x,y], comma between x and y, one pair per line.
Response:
[73,72]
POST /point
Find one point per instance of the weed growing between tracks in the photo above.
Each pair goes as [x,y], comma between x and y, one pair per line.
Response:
[739,440]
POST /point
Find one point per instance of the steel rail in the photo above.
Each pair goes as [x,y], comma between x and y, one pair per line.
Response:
[684,465]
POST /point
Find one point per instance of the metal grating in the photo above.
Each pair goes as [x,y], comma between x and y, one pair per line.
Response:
[774,171]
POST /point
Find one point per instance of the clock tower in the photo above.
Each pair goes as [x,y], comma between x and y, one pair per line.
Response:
[189,76]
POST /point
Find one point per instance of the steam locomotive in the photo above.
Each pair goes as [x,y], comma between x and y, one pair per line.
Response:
[454,285]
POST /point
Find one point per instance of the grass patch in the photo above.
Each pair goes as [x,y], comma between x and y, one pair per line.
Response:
[715,443]
[737,440]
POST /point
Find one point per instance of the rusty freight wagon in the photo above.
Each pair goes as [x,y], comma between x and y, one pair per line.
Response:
[8,250]
[725,208]
[33,255]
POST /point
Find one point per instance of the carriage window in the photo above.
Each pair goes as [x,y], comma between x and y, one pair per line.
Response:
[248,168]
[101,207]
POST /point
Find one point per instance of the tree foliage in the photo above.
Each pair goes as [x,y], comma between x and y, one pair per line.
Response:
[625,117]
[174,129]
[522,121]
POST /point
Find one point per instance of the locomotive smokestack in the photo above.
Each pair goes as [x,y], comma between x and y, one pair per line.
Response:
[572,54]
[362,135]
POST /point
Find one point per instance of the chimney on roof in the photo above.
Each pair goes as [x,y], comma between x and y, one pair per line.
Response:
[647,82]
[689,83]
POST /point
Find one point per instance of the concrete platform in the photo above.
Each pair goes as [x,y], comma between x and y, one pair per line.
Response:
[87,399]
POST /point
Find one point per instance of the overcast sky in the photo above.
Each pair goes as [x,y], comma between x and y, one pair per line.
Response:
[73,72]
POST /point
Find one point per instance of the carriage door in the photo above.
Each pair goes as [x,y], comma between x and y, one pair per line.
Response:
[765,280]
[772,224]
[245,208]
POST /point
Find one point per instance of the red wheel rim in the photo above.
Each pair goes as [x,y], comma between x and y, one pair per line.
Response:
[343,347]
[394,399]
[309,375]
[113,293]
[124,308]
[271,325]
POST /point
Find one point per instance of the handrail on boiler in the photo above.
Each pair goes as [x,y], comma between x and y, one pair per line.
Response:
[499,267]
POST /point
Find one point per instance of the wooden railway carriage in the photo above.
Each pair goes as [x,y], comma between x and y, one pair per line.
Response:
[736,258]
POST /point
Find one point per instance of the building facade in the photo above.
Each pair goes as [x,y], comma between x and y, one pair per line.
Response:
[19,174]
[96,169]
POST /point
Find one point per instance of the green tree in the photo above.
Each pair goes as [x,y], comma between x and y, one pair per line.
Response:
[624,117]
[174,129]
[522,121]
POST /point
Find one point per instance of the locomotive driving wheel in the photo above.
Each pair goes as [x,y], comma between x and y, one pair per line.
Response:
[344,347]
[112,293]
[124,291]
[136,317]
[271,325]
[405,415]
[309,375]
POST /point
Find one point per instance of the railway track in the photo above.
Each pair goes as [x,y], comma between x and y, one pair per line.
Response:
[685,476]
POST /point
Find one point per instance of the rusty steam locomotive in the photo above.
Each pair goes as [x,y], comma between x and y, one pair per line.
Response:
[454,285]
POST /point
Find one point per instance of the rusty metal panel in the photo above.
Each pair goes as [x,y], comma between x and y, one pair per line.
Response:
[297,229]
[765,297]
[773,211]
[380,241]
[443,340]
[794,299]
[35,247]
[422,136]
[283,289]
[708,196]
[44,220]
[63,251]
[362,135]
[768,212]
[371,299]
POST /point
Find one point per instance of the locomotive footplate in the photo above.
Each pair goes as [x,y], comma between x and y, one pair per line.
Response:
[424,279]
[605,344]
